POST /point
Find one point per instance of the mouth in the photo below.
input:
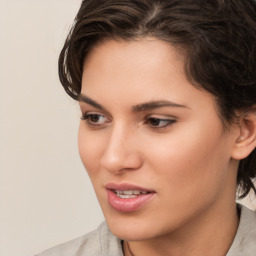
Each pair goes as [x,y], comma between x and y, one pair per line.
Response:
[128,198]
[129,193]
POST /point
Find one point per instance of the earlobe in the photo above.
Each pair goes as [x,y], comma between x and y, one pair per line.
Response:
[246,141]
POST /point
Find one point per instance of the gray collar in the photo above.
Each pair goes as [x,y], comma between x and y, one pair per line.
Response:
[244,243]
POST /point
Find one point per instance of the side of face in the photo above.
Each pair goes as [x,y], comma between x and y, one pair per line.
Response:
[147,126]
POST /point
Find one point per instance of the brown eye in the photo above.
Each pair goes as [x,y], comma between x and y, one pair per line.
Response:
[160,123]
[95,119]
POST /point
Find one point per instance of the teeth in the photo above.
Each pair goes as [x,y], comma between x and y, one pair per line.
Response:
[126,192]
[126,196]
[129,193]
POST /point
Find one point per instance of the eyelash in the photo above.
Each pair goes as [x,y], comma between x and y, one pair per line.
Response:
[152,122]
[88,117]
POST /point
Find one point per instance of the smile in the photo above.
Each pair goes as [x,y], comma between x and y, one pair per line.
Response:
[128,198]
[129,193]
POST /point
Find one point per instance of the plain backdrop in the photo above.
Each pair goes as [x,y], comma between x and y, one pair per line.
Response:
[45,195]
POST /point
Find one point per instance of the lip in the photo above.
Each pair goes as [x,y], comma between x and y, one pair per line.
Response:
[126,186]
[127,205]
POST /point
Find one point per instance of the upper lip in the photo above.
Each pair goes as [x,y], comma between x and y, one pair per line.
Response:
[126,186]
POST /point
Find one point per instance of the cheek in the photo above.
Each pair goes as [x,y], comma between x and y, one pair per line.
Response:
[89,149]
[191,156]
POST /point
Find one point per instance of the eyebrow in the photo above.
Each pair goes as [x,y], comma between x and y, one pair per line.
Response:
[137,108]
[84,98]
[156,104]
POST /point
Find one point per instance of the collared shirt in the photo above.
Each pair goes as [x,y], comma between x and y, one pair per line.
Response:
[101,242]
[244,243]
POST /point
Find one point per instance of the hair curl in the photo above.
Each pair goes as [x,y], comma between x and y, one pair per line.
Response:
[218,38]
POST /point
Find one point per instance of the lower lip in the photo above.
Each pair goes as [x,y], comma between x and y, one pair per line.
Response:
[128,204]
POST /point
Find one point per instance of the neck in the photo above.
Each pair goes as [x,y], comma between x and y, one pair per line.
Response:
[211,234]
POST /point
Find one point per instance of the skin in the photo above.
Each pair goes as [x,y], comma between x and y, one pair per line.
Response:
[183,153]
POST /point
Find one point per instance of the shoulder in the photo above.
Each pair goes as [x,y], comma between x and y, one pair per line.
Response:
[100,242]
[244,243]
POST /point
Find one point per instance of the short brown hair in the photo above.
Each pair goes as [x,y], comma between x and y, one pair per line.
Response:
[218,38]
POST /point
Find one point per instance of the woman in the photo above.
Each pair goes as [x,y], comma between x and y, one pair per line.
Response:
[167,91]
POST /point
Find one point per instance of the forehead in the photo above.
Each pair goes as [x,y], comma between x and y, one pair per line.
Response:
[138,71]
[122,62]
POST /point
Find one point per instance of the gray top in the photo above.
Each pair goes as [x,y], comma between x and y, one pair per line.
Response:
[101,242]
[244,243]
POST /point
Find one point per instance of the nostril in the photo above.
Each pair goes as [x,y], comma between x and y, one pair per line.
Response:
[128,161]
[121,153]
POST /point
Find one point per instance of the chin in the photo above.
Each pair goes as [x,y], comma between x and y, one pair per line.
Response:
[133,227]
[130,233]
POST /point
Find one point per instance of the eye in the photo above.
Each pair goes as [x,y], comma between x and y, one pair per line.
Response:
[159,122]
[95,119]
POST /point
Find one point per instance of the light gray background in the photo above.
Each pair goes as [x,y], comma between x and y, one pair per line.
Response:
[45,195]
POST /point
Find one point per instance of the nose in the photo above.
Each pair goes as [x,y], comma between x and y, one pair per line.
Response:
[121,152]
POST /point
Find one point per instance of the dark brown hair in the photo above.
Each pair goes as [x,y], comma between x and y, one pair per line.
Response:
[218,38]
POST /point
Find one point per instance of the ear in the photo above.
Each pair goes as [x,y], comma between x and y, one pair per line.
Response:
[246,140]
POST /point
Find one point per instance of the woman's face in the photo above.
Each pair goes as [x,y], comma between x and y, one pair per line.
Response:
[153,144]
